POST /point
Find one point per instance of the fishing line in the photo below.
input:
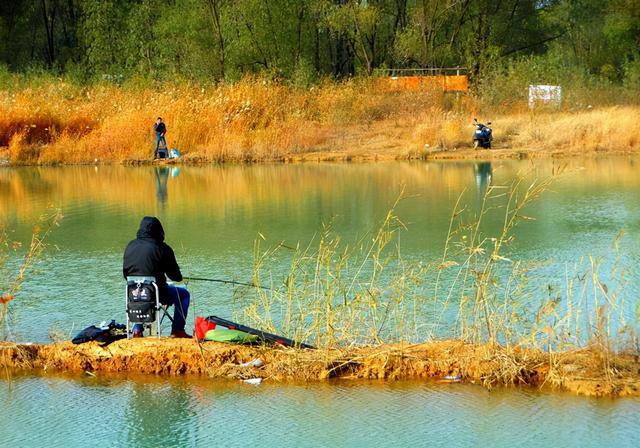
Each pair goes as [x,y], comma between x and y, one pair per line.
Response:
[227,282]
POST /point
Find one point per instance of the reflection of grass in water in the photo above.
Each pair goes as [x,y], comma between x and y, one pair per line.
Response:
[215,187]
[298,187]
[337,294]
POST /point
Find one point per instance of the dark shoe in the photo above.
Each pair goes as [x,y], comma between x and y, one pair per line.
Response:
[181,334]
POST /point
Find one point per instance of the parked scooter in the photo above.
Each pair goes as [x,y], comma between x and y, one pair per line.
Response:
[482,136]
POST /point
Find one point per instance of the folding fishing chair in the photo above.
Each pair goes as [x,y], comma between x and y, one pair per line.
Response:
[143,303]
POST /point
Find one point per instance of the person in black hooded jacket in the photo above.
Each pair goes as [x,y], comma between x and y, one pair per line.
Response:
[149,255]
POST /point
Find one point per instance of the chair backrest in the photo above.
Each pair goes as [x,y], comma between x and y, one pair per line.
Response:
[142,299]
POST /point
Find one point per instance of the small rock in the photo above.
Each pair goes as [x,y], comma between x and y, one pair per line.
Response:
[253,363]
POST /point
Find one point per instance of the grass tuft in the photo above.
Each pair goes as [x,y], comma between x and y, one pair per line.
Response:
[260,120]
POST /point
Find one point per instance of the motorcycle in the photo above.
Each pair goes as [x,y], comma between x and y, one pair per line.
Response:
[482,136]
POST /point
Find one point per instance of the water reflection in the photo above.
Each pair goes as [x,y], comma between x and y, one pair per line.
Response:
[25,191]
[159,412]
[150,412]
[213,214]
[162,176]
[483,172]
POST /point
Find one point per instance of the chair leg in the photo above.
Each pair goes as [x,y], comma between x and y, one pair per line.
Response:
[165,312]
[126,307]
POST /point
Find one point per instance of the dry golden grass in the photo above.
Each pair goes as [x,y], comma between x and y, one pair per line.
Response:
[612,128]
[251,120]
[258,120]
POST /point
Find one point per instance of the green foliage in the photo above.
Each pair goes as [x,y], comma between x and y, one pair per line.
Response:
[632,73]
[303,74]
[622,27]
[5,76]
[101,34]
[305,40]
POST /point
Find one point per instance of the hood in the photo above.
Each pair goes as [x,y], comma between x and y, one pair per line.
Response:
[150,227]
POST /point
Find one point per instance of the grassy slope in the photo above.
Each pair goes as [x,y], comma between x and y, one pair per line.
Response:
[55,122]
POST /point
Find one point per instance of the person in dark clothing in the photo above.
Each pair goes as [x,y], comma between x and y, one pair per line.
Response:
[160,130]
[149,255]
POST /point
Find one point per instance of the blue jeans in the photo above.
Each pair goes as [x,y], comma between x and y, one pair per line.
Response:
[159,138]
[180,299]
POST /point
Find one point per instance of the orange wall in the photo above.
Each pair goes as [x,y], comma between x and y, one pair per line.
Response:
[448,83]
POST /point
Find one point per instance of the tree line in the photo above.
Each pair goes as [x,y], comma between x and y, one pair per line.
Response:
[304,40]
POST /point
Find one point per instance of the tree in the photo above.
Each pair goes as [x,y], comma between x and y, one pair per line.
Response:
[103,34]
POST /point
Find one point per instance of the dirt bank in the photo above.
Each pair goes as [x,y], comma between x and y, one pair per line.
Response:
[583,372]
[398,153]
[372,154]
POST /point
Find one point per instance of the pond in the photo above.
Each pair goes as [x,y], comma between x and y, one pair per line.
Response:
[212,216]
[150,412]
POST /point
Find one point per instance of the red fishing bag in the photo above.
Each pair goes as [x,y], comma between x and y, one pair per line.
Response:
[202,325]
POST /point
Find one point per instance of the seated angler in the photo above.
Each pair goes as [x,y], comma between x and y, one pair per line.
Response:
[149,255]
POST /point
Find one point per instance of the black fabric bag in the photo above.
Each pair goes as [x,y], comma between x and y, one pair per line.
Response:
[105,335]
[141,303]
[91,333]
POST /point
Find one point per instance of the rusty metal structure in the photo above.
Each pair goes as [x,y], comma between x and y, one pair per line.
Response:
[454,79]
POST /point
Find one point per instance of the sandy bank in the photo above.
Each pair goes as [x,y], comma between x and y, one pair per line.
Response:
[361,155]
[498,153]
[389,153]
[583,372]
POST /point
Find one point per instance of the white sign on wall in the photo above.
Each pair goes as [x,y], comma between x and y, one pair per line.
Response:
[545,95]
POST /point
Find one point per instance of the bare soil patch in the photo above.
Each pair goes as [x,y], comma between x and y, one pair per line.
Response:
[583,372]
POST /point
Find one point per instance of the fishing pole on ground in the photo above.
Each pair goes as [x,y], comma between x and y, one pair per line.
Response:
[226,282]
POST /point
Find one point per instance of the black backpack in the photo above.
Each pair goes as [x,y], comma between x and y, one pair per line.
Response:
[141,302]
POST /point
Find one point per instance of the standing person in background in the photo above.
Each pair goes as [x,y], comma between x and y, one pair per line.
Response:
[160,130]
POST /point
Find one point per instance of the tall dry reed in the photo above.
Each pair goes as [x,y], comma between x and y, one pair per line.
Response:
[580,131]
[11,279]
[340,294]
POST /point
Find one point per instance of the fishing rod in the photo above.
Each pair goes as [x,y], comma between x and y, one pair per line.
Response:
[226,282]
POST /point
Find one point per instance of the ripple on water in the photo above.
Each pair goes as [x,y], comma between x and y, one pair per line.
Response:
[150,412]
[212,216]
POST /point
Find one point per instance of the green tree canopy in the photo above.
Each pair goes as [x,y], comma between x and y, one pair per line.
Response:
[306,39]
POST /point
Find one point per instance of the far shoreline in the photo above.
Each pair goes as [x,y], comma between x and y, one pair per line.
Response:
[356,156]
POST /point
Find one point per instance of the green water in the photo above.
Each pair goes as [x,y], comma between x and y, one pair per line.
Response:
[149,412]
[212,215]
